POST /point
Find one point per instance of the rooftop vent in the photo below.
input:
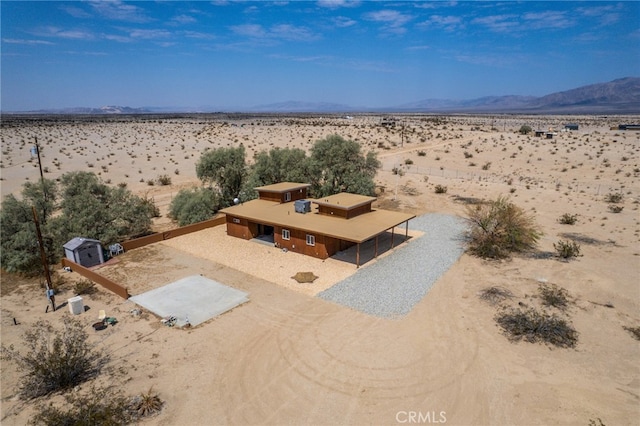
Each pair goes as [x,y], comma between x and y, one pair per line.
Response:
[302,206]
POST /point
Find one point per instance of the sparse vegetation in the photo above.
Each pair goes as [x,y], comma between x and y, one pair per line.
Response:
[635,332]
[552,295]
[440,189]
[164,180]
[55,360]
[534,326]
[613,208]
[495,294]
[525,129]
[614,197]
[567,249]
[499,228]
[568,219]
[84,287]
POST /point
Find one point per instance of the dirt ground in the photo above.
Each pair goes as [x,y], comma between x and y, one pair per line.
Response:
[287,357]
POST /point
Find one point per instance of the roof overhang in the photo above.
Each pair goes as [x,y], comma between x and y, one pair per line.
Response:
[358,229]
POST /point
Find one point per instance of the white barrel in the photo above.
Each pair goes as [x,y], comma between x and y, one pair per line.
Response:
[76,306]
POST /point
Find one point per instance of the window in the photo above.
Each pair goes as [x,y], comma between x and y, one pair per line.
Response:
[286,235]
[311,240]
[236,220]
[287,196]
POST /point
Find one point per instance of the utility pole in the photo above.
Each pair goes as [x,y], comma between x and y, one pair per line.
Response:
[44,191]
[43,256]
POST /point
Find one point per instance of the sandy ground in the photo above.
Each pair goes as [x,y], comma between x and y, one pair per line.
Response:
[287,357]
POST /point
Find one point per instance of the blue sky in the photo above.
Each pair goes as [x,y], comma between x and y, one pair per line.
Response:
[235,54]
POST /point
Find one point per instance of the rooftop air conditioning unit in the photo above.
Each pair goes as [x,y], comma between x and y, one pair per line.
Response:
[302,206]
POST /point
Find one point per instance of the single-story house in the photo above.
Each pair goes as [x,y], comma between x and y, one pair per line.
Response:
[571,126]
[284,213]
[84,251]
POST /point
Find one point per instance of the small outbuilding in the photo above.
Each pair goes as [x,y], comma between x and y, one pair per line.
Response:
[571,126]
[84,251]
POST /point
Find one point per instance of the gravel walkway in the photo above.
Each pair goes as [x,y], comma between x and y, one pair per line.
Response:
[392,285]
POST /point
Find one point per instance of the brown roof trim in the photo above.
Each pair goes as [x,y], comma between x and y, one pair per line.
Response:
[282,187]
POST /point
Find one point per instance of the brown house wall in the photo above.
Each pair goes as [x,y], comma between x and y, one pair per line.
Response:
[244,229]
[278,197]
[324,246]
[339,212]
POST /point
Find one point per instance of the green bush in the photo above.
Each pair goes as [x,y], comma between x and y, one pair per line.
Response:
[194,205]
[567,249]
[499,228]
[164,180]
[55,359]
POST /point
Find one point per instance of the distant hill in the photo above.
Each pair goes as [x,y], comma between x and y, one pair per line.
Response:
[620,96]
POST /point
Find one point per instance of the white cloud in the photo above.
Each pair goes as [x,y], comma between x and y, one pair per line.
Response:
[183,19]
[26,42]
[392,20]
[548,20]
[52,31]
[76,12]
[498,23]
[335,4]
[117,10]
[149,34]
[448,23]
[280,31]
[343,22]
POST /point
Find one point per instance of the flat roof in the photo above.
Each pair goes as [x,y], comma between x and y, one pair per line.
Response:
[282,187]
[358,229]
[345,200]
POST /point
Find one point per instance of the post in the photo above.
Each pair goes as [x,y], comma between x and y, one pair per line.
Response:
[44,191]
[43,257]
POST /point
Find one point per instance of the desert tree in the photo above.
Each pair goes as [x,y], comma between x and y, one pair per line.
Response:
[19,244]
[525,129]
[273,166]
[194,205]
[92,209]
[225,170]
[337,165]
[499,227]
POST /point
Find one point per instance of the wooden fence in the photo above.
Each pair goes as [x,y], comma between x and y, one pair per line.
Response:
[141,242]
[97,278]
[160,236]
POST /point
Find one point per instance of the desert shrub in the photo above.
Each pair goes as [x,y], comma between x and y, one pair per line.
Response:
[534,326]
[525,130]
[552,295]
[495,294]
[422,153]
[441,189]
[164,180]
[635,332]
[468,154]
[146,404]
[84,287]
[499,228]
[486,165]
[567,249]
[55,359]
[151,182]
[615,208]
[98,406]
[408,161]
[614,197]
[568,219]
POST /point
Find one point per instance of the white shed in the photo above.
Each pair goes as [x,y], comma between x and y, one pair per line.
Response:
[84,251]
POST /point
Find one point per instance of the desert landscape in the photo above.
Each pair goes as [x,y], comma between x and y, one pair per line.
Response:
[289,357]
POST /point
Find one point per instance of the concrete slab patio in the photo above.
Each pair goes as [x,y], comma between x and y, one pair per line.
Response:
[194,299]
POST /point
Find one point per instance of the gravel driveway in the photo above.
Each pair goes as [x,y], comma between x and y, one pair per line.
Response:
[392,285]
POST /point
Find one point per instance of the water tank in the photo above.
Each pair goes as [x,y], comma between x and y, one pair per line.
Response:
[302,206]
[76,306]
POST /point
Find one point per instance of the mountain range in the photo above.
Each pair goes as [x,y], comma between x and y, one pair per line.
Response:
[621,96]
